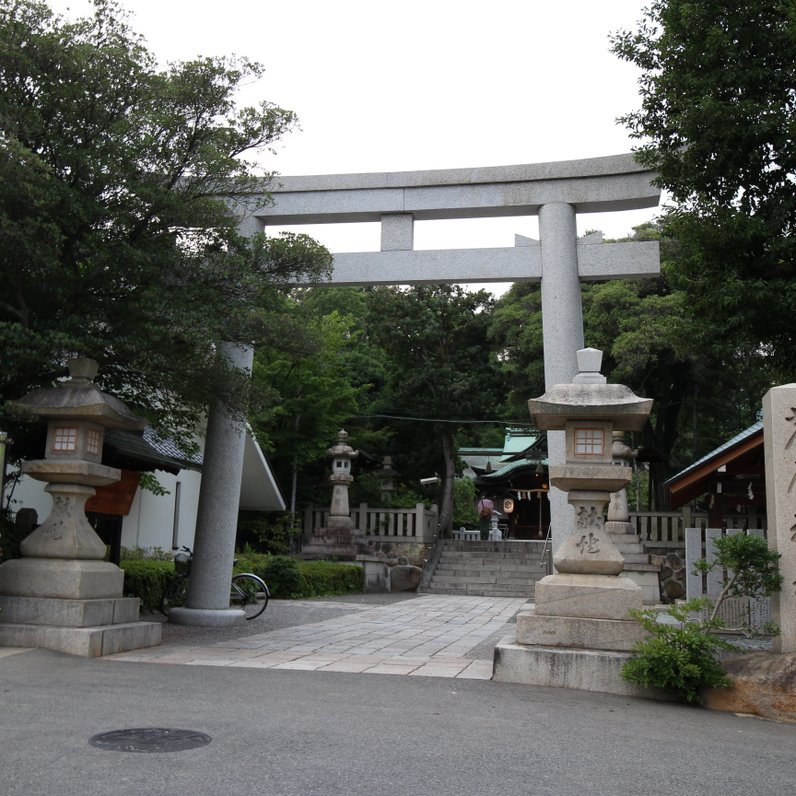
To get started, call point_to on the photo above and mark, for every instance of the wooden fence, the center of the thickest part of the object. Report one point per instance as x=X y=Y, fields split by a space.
x=753 y=612
x=666 y=529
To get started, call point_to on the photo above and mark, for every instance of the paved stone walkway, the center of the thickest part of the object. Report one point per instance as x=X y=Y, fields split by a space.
x=430 y=636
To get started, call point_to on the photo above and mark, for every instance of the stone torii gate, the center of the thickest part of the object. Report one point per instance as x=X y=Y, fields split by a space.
x=556 y=192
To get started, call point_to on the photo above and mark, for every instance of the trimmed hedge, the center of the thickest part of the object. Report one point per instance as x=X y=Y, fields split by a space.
x=287 y=578
x=147 y=580
x=327 y=578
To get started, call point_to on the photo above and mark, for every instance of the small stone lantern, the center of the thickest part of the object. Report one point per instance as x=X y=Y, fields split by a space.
x=387 y=477
x=342 y=455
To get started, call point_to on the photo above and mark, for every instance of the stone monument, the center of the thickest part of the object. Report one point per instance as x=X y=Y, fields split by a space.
x=61 y=594
x=580 y=632
x=779 y=444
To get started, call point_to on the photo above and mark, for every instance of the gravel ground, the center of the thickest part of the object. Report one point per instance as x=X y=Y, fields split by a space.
x=278 y=614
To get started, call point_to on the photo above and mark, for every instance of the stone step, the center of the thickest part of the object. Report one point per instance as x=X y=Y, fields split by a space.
x=89 y=642
x=474 y=591
x=455 y=582
x=491 y=556
x=68 y=613
x=474 y=572
x=511 y=548
x=637 y=558
x=490 y=566
x=497 y=569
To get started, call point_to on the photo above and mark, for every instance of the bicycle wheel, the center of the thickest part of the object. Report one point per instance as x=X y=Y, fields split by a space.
x=174 y=595
x=250 y=593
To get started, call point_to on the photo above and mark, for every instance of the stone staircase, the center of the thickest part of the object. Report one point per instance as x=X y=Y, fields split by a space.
x=488 y=569
x=640 y=566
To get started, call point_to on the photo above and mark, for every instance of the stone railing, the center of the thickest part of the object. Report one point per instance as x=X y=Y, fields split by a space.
x=409 y=525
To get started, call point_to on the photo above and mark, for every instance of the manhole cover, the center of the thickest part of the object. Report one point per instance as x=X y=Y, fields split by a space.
x=149 y=739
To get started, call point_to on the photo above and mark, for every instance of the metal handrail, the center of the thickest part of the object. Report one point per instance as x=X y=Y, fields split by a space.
x=437 y=543
x=547 y=551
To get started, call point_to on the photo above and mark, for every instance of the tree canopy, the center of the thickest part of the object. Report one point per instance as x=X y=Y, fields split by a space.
x=122 y=189
x=718 y=123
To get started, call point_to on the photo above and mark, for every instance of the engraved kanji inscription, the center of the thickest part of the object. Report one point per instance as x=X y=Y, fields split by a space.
x=587 y=517
x=791 y=418
x=589 y=543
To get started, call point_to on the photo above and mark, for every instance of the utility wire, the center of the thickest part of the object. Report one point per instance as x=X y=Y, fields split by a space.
x=515 y=423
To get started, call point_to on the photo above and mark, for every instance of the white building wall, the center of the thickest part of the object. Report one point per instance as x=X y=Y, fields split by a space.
x=151 y=520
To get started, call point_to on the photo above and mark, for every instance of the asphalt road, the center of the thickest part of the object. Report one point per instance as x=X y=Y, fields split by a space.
x=286 y=733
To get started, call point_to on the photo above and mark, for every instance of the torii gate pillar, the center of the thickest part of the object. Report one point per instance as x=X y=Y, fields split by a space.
x=555 y=192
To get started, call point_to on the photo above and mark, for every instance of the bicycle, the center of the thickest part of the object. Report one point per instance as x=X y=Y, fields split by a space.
x=246 y=590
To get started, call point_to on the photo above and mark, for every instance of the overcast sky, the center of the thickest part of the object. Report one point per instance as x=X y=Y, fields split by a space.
x=421 y=84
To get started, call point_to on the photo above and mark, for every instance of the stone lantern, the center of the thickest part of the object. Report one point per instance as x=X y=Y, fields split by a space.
x=77 y=415
x=580 y=631
x=61 y=594
x=588 y=411
x=342 y=455
x=387 y=476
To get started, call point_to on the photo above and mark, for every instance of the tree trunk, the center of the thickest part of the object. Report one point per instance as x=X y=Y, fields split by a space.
x=446 y=498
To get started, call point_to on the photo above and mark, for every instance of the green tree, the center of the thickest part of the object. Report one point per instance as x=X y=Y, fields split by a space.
x=311 y=393
x=440 y=368
x=705 y=386
x=122 y=191
x=717 y=121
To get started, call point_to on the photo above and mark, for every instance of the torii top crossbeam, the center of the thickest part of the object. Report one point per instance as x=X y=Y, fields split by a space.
x=397 y=199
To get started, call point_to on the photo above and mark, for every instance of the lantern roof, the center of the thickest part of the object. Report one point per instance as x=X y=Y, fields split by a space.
x=590 y=397
x=78 y=398
x=341 y=449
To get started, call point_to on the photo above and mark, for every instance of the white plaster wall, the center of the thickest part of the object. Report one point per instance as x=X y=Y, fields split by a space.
x=150 y=522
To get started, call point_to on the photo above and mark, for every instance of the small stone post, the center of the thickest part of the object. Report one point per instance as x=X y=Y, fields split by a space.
x=779 y=444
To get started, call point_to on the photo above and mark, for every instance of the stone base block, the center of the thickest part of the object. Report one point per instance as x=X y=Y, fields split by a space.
x=649 y=583
x=207 y=617
x=586 y=670
x=89 y=642
x=588 y=596
x=68 y=613
x=577 y=632
x=74 y=579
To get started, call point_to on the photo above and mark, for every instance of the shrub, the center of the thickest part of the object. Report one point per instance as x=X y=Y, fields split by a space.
x=11 y=536
x=750 y=569
x=271 y=536
x=146 y=554
x=681 y=657
x=327 y=578
x=290 y=578
x=147 y=579
x=465 y=497
x=282 y=575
